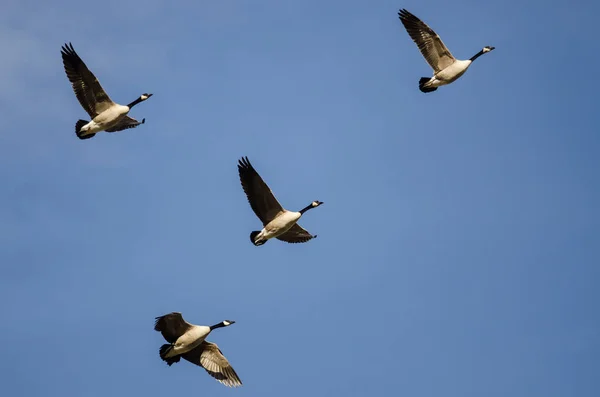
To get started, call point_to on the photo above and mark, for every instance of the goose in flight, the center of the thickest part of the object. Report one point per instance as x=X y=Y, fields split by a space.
x=188 y=341
x=106 y=115
x=277 y=222
x=446 y=68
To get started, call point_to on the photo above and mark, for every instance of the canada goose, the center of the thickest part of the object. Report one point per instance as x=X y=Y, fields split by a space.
x=278 y=222
x=446 y=68
x=188 y=341
x=106 y=115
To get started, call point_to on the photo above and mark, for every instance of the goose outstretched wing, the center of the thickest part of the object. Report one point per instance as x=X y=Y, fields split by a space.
x=86 y=86
x=261 y=198
x=209 y=356
x=125 y=123
x=296 y=234
x=431 y=46
x=171 y=326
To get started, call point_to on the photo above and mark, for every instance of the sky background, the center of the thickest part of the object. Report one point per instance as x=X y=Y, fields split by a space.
x=459 y=243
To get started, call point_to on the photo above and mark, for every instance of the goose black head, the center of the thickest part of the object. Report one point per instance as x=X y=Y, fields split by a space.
x=140 y=99
x=224 y=323
x=314 y=204
x=483 y=51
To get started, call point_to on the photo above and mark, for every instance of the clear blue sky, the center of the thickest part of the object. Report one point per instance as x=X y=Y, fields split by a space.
x=459 y=245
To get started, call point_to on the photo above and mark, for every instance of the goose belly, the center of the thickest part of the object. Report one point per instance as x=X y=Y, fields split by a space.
x=107 y=119
x=453 y=72
x=280 y=225
x=190 y=340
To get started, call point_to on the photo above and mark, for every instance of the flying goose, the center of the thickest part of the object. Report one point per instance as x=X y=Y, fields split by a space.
x=188 y=341
x=106 y=115
x=446 y=68
x=278 y=222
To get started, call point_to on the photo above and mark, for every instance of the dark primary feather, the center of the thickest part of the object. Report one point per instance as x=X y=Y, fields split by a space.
x=296 y=234
x=261 y=198
x=430 y=44
x=86 y=86
x=209 y=356
x=171 y=326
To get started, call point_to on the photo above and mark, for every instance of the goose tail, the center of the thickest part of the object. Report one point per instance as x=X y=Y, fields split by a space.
x=80 y=135
x=164 y=351
x=253 y=238
x=422 y=82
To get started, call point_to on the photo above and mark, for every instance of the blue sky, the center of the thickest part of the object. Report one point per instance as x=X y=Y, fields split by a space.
x=459 y=243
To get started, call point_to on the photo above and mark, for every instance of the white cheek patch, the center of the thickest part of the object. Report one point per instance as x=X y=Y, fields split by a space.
x=226 y=323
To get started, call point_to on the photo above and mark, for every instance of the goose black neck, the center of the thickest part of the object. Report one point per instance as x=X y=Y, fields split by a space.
x=132 y=104
x=474 y=57
x=220 y=325
x=303 y=210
